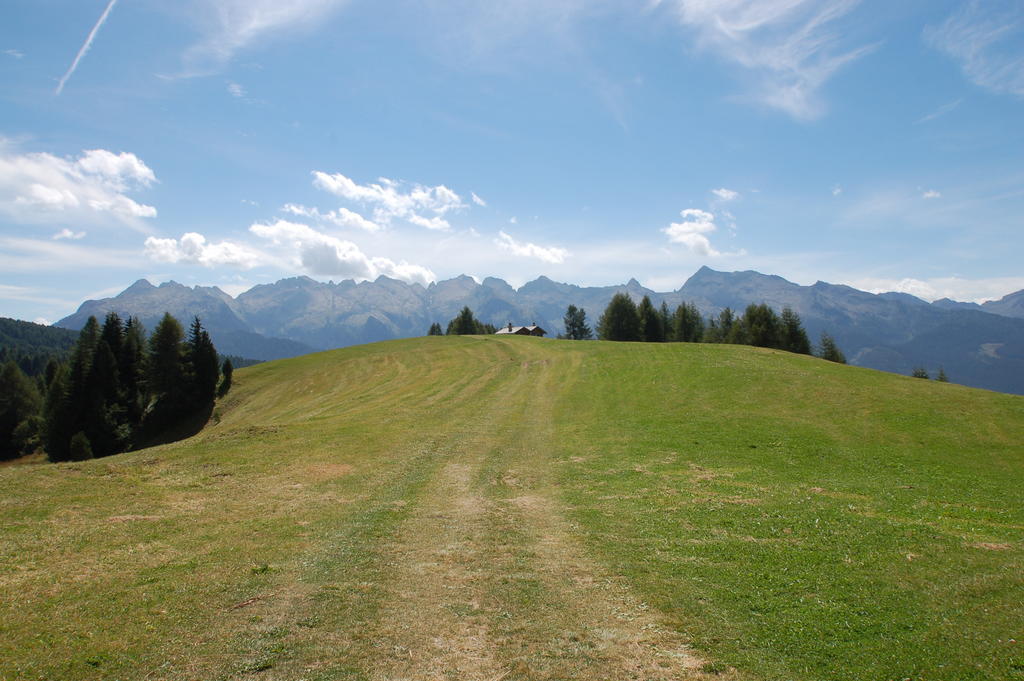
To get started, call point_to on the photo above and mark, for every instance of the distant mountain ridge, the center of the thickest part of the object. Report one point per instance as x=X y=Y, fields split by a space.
x=979 y=345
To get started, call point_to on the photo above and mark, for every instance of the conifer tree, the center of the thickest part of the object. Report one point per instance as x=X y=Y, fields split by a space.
x=20 y=405
x=620 y=321
x=227 y=370
x=726 y=326
x=71 y=402
x=688 y=324
x=435 y=330
x=102 y=419
x=131 y=364
x=56 y=424
x=79 y=448
x=942 y=377
x=761 y=325
x=576 y=327
x=793 y=337
x=920 y=372
x=202 y=368
x=666 y=321
x=830 y=351
x=651 y=327
x=166 y=377
x=464 y=324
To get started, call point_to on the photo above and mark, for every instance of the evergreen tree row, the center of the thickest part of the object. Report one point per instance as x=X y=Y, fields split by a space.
x=116 y=387
x=464 y=324
x=759 y=325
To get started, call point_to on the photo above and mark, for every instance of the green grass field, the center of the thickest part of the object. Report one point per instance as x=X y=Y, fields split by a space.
x=515 y=508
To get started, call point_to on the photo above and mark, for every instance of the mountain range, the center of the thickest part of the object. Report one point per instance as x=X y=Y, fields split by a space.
x=977 y=345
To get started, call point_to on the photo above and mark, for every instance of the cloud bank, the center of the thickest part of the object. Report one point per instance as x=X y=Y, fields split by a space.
x=551 y=254
x=290 y=246
x=388 y=201
x=43 y=188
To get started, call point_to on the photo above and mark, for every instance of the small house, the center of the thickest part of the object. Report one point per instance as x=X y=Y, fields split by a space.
x=532 y=330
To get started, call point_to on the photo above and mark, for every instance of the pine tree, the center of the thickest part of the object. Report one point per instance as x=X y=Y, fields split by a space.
x=920 y=372
x=830 y=351
x=620 y=321
x=102 y=419
x=435 y=330
x=464 y=324
x=792 y=334
x=666 y=321
x=762 y=326
x=688 y=324
x=228 y=371
x=942 y=377
x=71 y=399
x=131 y=363
x=202 y=367
x=576 y=327
x=79 y=449
x=166 y=377
x=651 y=328
x=726 y=326
x=56 y=414
x=20 y=406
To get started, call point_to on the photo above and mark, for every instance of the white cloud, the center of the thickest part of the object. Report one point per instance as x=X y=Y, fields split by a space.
x=693 y=230
x=513 y=220
x=726 y=194
x=43 y=188
x=68 y=234
x=987 y=39
x=193 y=249
x=17 y=54
x=229 y=26
x=389 y=201
x=236 y=90
x=837 y=190
x=477 y=200
x=551 y=254
x=343 y=217
x=788 y=44
x=325 y=255
x=119 y=170
x=931 y=194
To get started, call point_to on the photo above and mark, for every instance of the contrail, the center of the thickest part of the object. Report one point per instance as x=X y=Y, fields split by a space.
x=85 y=46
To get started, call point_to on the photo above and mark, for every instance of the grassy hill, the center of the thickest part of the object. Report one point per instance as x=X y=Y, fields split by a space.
x=517 y=508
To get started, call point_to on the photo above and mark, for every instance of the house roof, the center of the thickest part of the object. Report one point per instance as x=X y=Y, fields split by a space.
x=520 y=330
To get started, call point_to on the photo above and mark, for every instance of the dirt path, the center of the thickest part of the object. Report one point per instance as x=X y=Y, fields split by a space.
x=489 y=579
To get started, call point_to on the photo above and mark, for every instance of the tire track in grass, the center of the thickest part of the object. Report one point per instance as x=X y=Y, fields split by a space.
x=434 y=624
x=332 y=619
x=563 y=616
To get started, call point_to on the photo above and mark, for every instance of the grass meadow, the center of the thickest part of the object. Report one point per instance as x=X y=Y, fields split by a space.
x=518 y=508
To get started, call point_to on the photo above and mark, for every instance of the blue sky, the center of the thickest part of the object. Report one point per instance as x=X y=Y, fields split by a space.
x=235 y=142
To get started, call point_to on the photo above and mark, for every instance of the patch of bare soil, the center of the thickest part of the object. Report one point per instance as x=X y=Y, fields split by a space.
x=329 y=471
